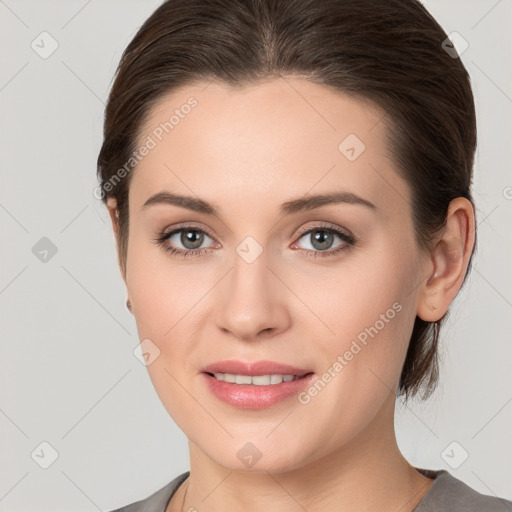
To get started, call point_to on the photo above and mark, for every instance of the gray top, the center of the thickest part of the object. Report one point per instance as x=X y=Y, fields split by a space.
x=446 y=494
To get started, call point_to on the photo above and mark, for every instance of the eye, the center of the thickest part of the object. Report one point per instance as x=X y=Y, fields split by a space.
x=321 y=239
x=190 y=237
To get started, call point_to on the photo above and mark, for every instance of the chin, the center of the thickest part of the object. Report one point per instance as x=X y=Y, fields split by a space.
x=259 y=456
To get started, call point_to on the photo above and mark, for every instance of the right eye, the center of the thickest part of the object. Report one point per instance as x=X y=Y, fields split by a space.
x=190 y=237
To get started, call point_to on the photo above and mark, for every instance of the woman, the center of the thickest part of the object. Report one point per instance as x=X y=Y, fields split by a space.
x=289 y=187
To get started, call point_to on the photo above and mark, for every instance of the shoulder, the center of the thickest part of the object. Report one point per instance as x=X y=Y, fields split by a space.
x=449 y=494
x=158 y=501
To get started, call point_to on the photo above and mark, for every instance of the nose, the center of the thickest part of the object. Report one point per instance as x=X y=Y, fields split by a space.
x=250 y=303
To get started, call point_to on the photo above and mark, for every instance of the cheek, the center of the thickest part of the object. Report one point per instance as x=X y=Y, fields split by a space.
x=163 y=295
x=163 y=291
x=364 y=300
x=373 y=320
x=371 y=310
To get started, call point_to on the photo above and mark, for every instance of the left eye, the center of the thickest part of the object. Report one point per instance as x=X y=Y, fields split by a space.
x=322 y=239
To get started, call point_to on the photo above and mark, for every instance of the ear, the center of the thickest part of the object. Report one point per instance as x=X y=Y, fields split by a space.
x=114 y=217
x=448 y=261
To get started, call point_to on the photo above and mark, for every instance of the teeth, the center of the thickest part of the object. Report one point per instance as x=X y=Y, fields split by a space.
x=257 y=380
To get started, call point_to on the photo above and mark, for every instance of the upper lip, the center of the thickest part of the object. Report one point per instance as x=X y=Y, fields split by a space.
x=254 y=368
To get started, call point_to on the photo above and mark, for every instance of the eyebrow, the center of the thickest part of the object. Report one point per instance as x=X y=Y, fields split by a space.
x=308 y=202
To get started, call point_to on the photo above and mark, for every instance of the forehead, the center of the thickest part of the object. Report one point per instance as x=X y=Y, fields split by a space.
x=280 y=138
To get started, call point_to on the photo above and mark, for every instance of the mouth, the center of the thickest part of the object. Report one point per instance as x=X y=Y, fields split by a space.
x=251 y=369
x=256 y=380
x=256 y=385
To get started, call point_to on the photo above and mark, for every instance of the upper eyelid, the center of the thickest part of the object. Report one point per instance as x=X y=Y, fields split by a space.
x=321 y=225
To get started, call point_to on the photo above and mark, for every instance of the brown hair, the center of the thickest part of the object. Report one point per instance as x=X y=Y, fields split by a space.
x=390 y=53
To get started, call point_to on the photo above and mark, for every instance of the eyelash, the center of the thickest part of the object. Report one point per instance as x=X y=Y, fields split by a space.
x=349 y=241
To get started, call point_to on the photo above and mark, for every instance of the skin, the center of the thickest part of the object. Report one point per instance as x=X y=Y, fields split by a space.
x=247 y=150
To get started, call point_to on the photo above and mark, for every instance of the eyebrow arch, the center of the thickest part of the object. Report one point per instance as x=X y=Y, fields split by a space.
x=308 y=202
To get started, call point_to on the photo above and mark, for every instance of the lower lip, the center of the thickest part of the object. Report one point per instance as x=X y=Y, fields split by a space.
x=250 y=396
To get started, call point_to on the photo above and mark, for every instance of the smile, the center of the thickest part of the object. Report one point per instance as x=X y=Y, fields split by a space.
x=256 y=380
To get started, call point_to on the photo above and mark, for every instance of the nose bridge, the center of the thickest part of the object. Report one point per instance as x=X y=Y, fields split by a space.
x=248 y=300
x=249 y=280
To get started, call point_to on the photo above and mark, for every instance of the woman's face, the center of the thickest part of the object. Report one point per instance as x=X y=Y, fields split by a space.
x=265 y=278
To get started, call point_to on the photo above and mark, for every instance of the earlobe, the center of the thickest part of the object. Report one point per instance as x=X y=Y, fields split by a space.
x=450 y=260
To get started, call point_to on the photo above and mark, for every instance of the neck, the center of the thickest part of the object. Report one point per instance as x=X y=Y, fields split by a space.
x=368 y=473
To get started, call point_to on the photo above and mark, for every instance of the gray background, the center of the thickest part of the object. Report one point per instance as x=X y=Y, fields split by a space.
x=68 y=374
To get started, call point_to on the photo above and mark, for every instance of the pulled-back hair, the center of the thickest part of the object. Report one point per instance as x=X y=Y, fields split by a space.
x=389 y=52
